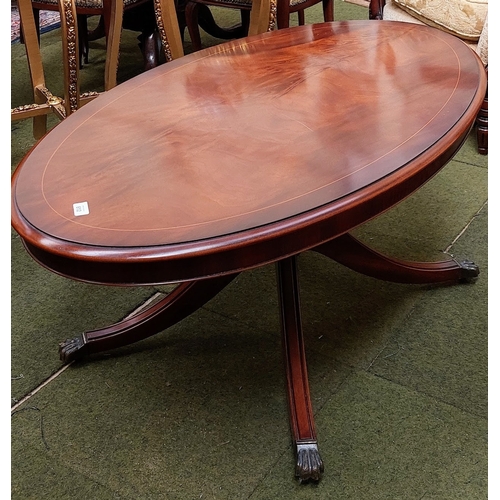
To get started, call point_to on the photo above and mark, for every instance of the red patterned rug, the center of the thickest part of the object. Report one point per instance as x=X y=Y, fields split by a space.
x=48 y=21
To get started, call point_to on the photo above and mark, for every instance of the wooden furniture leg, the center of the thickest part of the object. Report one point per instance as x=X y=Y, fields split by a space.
x=350 y=252
x=44 y=101
x=180 y=303
x=150 y=52
x=192 y=13
x=309 y=464
x=70 y=54
x=168 y=27
x=200 y=15
x=83 y=39
x=113 y=19
x=262 y=16
x=482 y=127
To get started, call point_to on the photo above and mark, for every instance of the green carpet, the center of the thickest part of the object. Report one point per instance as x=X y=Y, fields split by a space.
x=398 y=373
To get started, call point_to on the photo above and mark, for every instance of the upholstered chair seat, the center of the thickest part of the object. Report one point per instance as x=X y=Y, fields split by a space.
x=472 y=28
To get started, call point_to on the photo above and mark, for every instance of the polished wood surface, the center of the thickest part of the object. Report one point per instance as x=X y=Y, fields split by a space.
x=291 y=137
x=376 y=12
x=244 y=154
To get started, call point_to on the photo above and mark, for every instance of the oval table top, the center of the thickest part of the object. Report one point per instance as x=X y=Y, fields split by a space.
x=246 y=152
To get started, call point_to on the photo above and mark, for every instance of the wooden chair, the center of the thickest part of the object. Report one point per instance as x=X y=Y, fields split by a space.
x=197 y=13
x=399 y=10
x=138 y=12
x=44 y=101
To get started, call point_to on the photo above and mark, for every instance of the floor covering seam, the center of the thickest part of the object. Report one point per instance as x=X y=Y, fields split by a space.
x=477 y=214
x=47 y=381
x=435 y=398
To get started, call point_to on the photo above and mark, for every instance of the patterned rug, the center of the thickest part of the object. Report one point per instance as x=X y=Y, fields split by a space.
x=48 y=21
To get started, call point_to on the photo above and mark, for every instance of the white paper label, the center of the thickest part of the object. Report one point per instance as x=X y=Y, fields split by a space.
x=81 y=208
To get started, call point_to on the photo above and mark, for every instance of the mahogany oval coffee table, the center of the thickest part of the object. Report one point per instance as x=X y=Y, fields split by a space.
x=245 y=154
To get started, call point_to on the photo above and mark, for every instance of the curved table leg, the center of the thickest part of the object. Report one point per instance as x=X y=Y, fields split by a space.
x=309 y=464
x=180 y=303
x=350 y=252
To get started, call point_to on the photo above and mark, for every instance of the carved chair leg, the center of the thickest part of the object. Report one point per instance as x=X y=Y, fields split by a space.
x=150 y=49
x=208 y=23
x=168 y=28
x=30 y=30
x=328 y=10
x=191 y=13
x=36 y=14
x=309 y=464
x=70 y=55
x=83 y=39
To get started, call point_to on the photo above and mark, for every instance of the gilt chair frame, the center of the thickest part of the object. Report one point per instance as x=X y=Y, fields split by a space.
x=45 y=102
